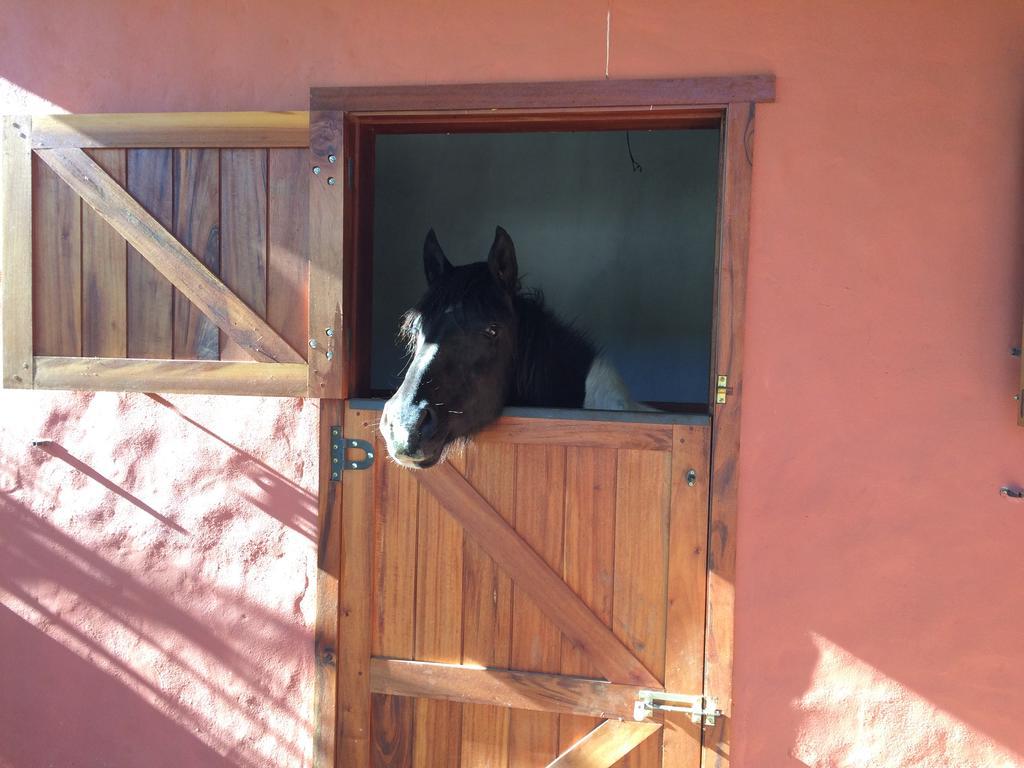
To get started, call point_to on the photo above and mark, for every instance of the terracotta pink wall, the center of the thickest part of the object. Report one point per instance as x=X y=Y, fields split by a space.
x=880 y=618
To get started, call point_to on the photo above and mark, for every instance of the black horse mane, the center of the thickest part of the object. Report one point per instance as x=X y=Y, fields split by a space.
x=552 y=358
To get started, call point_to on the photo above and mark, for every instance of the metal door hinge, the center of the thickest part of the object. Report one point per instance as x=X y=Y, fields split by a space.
x=701 y=709
x=722 y=390
x=339 y=458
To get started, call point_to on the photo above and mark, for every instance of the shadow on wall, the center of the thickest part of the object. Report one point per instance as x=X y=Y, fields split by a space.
x=95 y=662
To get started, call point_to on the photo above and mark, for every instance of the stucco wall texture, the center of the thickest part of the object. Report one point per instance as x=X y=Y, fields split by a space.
x=157 y=559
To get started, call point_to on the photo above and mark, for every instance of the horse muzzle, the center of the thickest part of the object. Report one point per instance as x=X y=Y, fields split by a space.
x=411 y=433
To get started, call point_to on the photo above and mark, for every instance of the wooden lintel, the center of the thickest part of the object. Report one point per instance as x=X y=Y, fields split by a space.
x=503 y=688
x=172 y=259
x=696 y=91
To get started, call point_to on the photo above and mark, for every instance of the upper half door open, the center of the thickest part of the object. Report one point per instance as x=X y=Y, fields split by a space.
x=160 y=252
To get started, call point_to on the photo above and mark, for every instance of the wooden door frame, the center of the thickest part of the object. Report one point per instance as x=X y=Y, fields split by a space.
x=343 y=120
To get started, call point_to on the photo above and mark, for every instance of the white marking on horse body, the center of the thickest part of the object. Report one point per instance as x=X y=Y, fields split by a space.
x=606 y=391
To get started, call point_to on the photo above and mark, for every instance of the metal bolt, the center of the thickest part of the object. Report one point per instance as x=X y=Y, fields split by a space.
x=329 y=331
x=316 y=170
x=330 y=354
x=332 y=158
x=312 y=343
x=334 y=475
x=335 y=460
x=330 y=181
x=354 y=465
x=354 y=444
x=691 y=478
x=335 y=432
x=369 y=455
x=1017 y=396
x=334 y=446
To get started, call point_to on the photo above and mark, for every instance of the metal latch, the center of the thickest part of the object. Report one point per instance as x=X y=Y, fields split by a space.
x=339 y=448
x=696 y=706
x=722 y=390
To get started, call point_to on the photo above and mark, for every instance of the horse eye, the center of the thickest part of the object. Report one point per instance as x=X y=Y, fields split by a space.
x=491 y=331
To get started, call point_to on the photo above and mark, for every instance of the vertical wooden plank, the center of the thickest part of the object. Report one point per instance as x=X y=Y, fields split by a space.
x=641 y=569
x=243 y=234
x=487 y=606
x=588 y=560
x=536 y=643
x=327 y=253
x=354 y=600
x=150 y=302
x=197 y=226
x=325 y=685
x=438 y=724
x=104 y=272
x=16 y=250
x=731 y=291
x=288 y=246
x=687 y=585
x=56 y=265
x=394 y=606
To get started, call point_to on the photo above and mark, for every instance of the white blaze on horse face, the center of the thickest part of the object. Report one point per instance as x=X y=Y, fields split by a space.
x=396 y=432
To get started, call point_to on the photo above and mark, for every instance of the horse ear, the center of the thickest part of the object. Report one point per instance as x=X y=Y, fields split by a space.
x=502 y=260
x=435 y=263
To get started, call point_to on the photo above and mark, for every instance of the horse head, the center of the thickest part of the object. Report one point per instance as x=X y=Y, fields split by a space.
x=462 y=341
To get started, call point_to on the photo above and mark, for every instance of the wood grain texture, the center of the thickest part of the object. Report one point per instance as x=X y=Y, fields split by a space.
x=325 y=644
x=210 y=377
x=243 y=233
x=173 y=129
x=580 y=93
x=588 y=557
x=438 y=724
x=197 y=226
x=104 y=273
x=16 y=250
x=288 y=245
x=170 y=257
x=606 y=744
x=534 y=691
x=56 y=265
x=536 y=640
x=394 y=604
x=734 y=240
x=354 y=601
x=554 y=119
x=150 y=294
x=687 y=584
x=327 y=258
x=532 y=574
x=569 y=432
x=641 y=569
x=487 y=606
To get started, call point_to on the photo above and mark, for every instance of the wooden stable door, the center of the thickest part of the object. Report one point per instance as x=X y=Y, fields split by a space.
x=507 y=608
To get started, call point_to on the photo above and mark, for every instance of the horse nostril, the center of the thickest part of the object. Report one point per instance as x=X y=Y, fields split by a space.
x=426 y=422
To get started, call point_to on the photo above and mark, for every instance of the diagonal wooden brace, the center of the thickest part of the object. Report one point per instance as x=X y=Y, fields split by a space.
x=172 y=259
x=534 y=576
